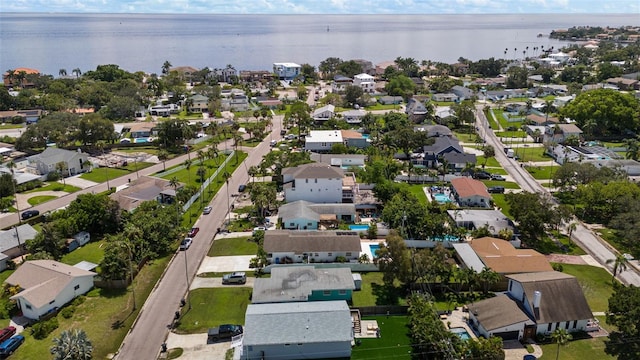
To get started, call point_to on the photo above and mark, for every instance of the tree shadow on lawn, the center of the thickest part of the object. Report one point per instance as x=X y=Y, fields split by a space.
x=387 y=295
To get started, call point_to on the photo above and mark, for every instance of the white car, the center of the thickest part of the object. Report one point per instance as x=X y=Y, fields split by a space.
x=184 y=245
x=259 y=228
x=207 y=210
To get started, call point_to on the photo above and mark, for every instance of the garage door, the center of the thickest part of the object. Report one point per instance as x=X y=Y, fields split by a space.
x=508 y=335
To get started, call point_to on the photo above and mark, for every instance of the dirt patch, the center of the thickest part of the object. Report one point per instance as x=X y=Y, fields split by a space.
x=566 y=259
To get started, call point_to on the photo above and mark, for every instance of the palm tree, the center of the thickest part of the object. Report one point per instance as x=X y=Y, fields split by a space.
x=163 y=156
x=620 y=264
x=62 y=168
x=633 y=149
x=166 y=67
x=560 y=337
x=62 y=72
x=174 y=183
x=572 y=227
x=72 y=345
x=187 y=165
x=488 y=278
x=76 y=72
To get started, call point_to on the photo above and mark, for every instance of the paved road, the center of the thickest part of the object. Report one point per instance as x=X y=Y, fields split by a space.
x=582 y=236
x=151 y=327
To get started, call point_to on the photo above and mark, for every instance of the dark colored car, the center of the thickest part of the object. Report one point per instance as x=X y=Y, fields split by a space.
x=29 y=214
x=283 y=132
x=194 y=231
x=223 y=332
x=496 y=190
x=483 y=175
x=242 y=188
x=6 y=333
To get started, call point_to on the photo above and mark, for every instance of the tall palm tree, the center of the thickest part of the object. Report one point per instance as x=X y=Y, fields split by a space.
x=72 y=345
x=174 y=183
x=187 y=165
x=620 y=264
x=166 y=67
x=76 y=72
x=62 y=169
x=488 y=278
x=62 y=72
x=163 y=156
x=633 y=149
x=560 y=337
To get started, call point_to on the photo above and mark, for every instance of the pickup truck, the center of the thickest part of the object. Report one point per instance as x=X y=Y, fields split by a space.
x=223 y=332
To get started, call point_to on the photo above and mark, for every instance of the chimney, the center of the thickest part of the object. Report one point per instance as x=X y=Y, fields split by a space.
x=537 y=295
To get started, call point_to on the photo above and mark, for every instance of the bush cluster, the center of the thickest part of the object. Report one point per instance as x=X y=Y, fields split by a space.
x=42 y=329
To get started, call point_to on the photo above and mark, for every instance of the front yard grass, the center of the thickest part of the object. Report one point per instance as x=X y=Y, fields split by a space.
x=492 y=121
x=40 y=199
x=535 y=154
x=491 y=162
x=54 y=186
x=541 y=172
x=92 y=252
x=394 y=341
x=101 y=175
x=213 y=307
x=577 y=350
x=505 y=184
x=501 y=203
x=233 y=247
x=105 y=316
x=374 y=292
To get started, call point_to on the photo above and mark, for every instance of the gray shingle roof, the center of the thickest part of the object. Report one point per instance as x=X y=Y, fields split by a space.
x=53 y=155
x=498 y=312
x=297 y=209
x=313 y=171
x=295 y=283
x=9 y=240
x=297 y=323
x=311 y=241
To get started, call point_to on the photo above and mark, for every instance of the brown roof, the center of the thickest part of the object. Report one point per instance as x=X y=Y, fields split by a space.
x=311 y=241
x=21 y=69
x=500 y=256
x=561 y=298
x=42 y=280
x=314 y=171
x=351 y=134
x=539 y=119
x=570 y=128
x=498 y=312
x=621 y=80
x=466 y=187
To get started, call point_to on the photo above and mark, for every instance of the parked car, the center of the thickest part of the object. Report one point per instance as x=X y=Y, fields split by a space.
x=498 y=177
x=259 y=228
x=9 y=346
x=7 y=333
x=483 y=175
x=184 y=245
x=225 y=331
x=193 y=232
x=207 y=210
x=273 y=143
x=29 y=214
x=496 y=190
x=242 y=188
x=234 y=278
x=283 y=132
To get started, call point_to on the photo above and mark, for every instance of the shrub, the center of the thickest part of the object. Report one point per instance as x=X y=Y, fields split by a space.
x=53 y=176
x=68 y=311
x=341 y=259
x=42 y=329
x=79 y=300
x=557 y=267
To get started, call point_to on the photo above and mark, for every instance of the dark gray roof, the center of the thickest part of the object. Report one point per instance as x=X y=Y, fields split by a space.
x=297 y=323
x=53 y=155
x=297 y=210
x=313 y=171
x=295 y=283
x=443 y=143
x=460 y=158
x=498 y=312
x=562 y=297
x=311 y=241
x=9 y=240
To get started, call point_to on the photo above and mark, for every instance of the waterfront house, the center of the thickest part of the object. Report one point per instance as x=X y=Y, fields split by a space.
x=298 y=246
x=470 y=192
x=340 y=84
x=365 y=82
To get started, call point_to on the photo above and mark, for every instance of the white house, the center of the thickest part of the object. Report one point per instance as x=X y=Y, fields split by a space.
x=318 y=183
x=535 y=303
x=286 y=71
x=47 y=285
x=300 y=330
x=46 y=162
x=298 y=246
x=324 y=113
x=322 y=140
x=303 y=215
x=470 y=192
x=365 y=82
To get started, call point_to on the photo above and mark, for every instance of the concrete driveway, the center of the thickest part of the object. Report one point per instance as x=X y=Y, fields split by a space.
x=79 y=182
x=196 y=348
x=225 y=264
x=216 y=282
x=514 y=350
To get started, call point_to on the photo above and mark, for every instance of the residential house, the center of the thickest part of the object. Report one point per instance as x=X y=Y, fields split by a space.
x=470 y=192
x=434 y=130
x=303 y=283
x=75 y=162
x=559 y=133
x=313 y=330
x=367 y=66
x=390 y=100
x=12 y=243
x=444 y=115
x=271 y=103
x=535 y=303
x=459 y=161
x=493 y=220
x=460 y=69
x=353 y=116
x=623 y=83
x=497 y=95
x=354 y=138
x=502 y=257
x=324 y=113
x=318 y=183
x=441 y=146
x=340 y=160
x=29 y=116
x=365 y=82
x=19 y=176
x=463 y=93
x=631 y=167
x=198 y=104
x=445 y=97
x=340 y=84
x=304 y=215
x=286 y=71
x=536 y=132
x=163 y=110
x=255 y=75
x=542 y=120
x=12 y=77
x=47 y=285
x=322 y=140
x=226 y=74
x=416 y=110
x=142 y=130
x=186 y=72
x=235 y=101
x=561 y=101
x=145 y=188
x=291 y=246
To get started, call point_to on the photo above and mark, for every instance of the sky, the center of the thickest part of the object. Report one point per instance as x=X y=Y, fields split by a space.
x=325 y=6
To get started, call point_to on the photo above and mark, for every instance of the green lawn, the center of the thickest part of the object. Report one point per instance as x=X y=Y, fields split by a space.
x=6 y=126
x=374 y=292
x=92 y=252
x=394 y=341
x=492 y=121
x=491 y=162
x=541 y=172
x=505 y=184
x=212 y=307
x=503 y=121
x=595 y=282
x=535 y=154
x=500 y=202
x=40 y=199
x=233 y=247
x=191 y=176
x=577 y=350
x=379 y=106
x=101 y=175
x=509 y=137
x=106 y=316
x=54 y=186
x=418 y=191
x=613 y=239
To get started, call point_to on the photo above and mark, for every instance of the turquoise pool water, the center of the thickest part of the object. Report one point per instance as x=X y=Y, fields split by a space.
x=441 y=198
x=140 y=140
x=461 y=332
x=364 y=227
x=374 y=249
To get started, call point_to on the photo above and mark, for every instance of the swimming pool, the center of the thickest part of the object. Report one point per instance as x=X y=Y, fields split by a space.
x=363 y=227
x=140 y=140
x=461 y=332
x=374 y=249
x=441 y=198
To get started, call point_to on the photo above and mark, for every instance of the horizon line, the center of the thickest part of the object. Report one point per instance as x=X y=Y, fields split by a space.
x=313 y=14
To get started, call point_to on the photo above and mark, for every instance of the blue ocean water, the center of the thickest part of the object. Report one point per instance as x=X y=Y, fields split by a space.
x=140 y=42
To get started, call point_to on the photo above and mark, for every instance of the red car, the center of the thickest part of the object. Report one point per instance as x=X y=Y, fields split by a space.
x=194 y=232
x=7 y=333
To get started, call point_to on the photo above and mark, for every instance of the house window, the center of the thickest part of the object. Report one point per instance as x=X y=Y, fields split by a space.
x=317 y=254
x=27 y=306
x=309 y=224
x=566 y=325
x=76 y=287
x=52 y=301
x=287 y=345
x=575 y=323
x=549 y=327
x=306 y=181
x=348 y=254
x=316 y=180
x=292 y=224
x=250 y=348
x=330 y=254
x=326 y=292
x=342 y=292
